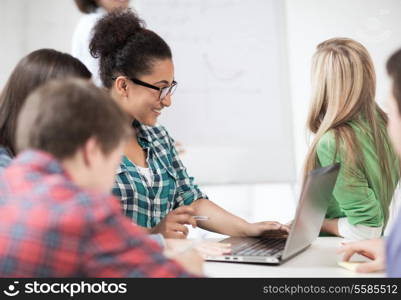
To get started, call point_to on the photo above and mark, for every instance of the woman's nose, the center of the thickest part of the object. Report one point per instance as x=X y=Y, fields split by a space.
x=166 y=101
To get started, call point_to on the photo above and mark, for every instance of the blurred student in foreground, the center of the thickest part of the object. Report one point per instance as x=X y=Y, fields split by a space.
x=385 y=254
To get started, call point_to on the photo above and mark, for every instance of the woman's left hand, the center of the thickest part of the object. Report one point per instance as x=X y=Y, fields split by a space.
x=373 y=249
x=267 y=229
x=204 y=247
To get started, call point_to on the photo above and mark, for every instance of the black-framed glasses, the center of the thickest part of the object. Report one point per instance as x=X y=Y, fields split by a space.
x=164 y=91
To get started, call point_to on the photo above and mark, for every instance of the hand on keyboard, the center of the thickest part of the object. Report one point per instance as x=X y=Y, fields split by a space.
x=268 y=229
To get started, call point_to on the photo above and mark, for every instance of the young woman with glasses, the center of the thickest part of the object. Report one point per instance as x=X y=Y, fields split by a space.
x=155 y=189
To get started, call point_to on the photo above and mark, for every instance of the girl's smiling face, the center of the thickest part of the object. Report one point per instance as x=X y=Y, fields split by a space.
x=143 y=103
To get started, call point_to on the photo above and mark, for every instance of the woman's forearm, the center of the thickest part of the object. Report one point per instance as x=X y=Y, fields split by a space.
x=220 y=220
x=330 y=226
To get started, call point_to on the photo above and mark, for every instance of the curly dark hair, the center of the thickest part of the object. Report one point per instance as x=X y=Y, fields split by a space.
x=86 y=6
x=125 y=47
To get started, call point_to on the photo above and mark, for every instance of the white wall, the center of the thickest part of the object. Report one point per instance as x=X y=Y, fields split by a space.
x=374 y=23
x=232 y=86
x=27 y=25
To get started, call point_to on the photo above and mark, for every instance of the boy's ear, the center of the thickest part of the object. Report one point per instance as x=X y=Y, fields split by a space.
x=90 y=151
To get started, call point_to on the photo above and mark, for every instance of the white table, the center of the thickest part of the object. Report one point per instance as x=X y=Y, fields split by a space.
x=319 y=260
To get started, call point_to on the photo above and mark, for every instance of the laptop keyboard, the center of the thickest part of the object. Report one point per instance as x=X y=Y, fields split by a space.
x=260 y=247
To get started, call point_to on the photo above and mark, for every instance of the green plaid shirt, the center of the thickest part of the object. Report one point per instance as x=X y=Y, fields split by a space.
x=172 y=187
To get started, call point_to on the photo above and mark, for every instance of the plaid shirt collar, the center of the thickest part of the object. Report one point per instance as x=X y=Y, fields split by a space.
x=142 y=133
x=5 y=151
x=144 y=139
x=41 y=161
x=5 y=158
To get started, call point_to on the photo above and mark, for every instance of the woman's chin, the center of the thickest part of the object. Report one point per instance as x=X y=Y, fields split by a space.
x=149 y=122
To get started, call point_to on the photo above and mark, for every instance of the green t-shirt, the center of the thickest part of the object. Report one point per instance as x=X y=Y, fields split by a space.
x=357 y=194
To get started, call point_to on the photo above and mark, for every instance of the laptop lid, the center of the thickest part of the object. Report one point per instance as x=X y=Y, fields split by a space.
x=311 y=209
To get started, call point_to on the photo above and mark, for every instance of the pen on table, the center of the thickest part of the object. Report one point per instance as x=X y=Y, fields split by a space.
x=201 y=218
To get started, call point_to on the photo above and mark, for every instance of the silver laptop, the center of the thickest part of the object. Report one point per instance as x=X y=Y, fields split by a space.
x=311 y=210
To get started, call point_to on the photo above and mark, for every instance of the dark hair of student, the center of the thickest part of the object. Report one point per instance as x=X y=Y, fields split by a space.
x=32 y=71
x=60 y=116
x=394 y=70
x=86 y=6
x=125 y=47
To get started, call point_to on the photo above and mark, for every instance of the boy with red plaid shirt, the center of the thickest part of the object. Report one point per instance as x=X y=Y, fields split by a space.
x=58 y=217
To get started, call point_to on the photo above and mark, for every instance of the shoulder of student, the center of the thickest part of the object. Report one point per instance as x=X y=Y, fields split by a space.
x=96 y=205
x=327 y=141
x=159 y=133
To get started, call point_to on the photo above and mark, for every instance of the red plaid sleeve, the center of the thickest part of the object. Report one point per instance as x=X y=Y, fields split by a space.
x=115 y=247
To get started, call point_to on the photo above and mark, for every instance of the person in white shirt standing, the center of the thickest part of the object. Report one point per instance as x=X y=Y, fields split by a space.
x=93 y=10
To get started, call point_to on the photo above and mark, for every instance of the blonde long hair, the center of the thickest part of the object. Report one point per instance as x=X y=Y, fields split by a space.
x=343 y=90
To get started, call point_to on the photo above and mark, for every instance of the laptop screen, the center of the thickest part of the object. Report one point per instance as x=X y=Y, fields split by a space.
x=311 y=209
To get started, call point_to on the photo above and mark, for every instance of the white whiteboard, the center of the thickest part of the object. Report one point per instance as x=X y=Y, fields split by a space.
x=231 y=110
